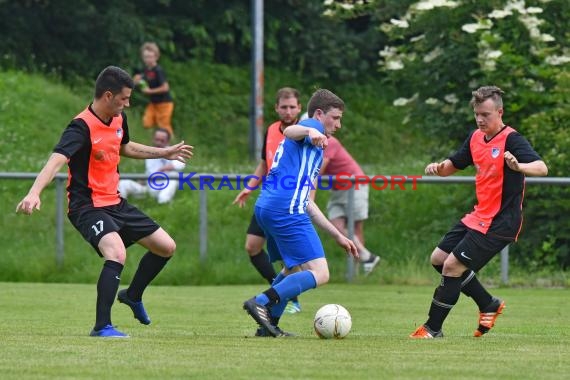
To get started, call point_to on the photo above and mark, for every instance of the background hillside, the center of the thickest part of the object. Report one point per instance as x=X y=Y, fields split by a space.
x=406 y=69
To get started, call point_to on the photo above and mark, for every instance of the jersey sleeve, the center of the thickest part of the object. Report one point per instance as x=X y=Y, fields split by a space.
x=126 y=138
x=462 y=158
x=521 y=148
x=73 y=138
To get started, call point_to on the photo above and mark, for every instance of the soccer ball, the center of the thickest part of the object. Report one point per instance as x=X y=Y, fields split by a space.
x=332 y=321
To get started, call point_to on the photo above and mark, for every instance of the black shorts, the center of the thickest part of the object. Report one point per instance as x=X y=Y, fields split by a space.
x=254 y=228
x=473 y=248
x=129 y=222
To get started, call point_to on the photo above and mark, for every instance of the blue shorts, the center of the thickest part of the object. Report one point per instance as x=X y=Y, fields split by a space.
x=290 y=237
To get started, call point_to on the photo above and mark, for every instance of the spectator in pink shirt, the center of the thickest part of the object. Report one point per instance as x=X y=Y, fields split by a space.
x=337 y=160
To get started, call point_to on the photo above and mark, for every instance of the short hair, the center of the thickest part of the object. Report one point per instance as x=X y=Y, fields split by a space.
x=325 y=100
x=487 y=92
x=151 y=46
x=112 y=79
x=286 y=93
x=164 y=131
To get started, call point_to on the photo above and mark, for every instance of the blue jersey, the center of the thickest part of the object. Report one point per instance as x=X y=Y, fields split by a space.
x=295 y=166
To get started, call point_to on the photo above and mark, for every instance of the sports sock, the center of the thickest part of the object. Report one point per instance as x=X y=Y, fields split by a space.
x=364 y=255
x=263 y=265
x=291 y=286
x=471 y=287
x=438 y=268
x=444 y=298
x=277 y=309
x=107 y=287
x=149 y=266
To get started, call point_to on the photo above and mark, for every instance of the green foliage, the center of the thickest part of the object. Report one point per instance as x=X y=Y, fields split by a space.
x=78 y=39
x=438 y=52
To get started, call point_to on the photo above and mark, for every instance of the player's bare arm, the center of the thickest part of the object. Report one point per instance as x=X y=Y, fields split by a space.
x=534 y=169
x=322 y=222
x=179 y=152
x=299 y=132
x=32 y=200
x=442 y=169
x=252 y=183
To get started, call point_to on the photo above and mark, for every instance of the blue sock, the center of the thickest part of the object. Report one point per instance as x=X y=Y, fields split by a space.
x=295 y=284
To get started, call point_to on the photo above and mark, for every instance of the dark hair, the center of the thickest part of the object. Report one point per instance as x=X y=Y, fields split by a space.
x=113 y=79
x=286 y=93
x=324 y=100
x=164 y=131
x=487 y=92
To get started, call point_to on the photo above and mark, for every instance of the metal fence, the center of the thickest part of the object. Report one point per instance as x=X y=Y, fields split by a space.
x=61 y=178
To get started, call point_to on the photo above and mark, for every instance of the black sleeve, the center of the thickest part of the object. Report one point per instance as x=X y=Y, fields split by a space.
x=126 y=138
x=73 y=138
x=462 y=158
x=263 y=155
x=520 y=148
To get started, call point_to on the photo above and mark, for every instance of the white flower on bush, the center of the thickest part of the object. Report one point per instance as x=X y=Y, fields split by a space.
x=500 y=13
x=547 y=37
x=418 y=38
x=400 y=102
x=426 y=5
x=433 y=54
x=431 y=101
x=556 y=60
x=400 y=23
x=394 y=64
x=388 y=51
x=534 y=10
x=481 y=25
x=451 y=98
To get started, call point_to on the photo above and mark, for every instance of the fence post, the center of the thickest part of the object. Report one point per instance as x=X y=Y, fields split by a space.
x=203 y=225
x=59 y=216
x=350 y=267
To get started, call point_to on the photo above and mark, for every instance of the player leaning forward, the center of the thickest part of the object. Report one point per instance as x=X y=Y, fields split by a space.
x=285 y=212
x=91 y=146
x=502 y=158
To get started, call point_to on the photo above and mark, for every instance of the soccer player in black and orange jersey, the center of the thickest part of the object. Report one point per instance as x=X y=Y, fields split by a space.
x=502 y=158
x=91 y=146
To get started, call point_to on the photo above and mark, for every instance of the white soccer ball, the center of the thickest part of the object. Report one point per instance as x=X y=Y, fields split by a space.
x=332 y=321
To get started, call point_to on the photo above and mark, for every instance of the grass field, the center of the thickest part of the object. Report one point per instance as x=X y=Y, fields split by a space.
x=202 y=332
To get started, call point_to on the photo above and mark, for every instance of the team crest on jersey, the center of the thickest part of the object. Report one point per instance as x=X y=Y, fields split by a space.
x=120 y=132
x=495 y=152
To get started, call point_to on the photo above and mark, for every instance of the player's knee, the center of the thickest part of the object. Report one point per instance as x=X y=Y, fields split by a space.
x=322 y=277
x=170 y=248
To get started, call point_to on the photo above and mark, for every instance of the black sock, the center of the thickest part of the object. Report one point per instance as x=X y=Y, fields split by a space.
x=263 y=265
x=444 y=298
x=107 y=287
x=149 y=266
x=471 y=287
x=273 y=297
x=295 y=299
x=438 y=268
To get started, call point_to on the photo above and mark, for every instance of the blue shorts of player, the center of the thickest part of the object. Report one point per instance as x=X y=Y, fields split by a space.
x=290 y=237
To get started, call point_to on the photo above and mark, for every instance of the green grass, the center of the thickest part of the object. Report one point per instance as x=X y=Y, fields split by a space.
x=200 y=332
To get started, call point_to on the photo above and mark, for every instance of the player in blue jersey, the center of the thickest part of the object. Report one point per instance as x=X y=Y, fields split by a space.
x=286 y=214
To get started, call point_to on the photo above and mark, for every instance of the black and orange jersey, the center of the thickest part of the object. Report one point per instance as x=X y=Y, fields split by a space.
x=92 y=148
x=499 y=189
x=156 y=77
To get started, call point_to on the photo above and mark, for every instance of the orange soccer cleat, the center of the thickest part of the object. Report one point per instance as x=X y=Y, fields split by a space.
x=487 y=320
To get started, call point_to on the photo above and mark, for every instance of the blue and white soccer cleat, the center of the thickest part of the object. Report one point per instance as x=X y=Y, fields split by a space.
x=137 y=307
x=108 y=332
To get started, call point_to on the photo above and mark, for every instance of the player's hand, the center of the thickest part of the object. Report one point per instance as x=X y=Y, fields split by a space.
x=348 y=245
x=30 y=203
x=512 y=161
x=318 y=139
x=434 y=168
x=180 y=152
x=242 y=197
